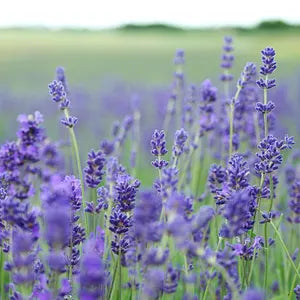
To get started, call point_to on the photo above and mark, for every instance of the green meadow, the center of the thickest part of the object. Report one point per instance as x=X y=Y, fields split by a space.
x=28 y=57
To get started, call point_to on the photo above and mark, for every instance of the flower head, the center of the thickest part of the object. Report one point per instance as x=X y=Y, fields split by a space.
x=94 y=170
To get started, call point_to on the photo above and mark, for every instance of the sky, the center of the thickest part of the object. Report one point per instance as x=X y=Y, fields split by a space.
x=111 y=13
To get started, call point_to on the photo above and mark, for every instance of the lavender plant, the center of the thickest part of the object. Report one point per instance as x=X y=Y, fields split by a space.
x=108 y=235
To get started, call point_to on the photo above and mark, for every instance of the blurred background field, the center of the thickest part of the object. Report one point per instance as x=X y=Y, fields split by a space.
x=106 y=69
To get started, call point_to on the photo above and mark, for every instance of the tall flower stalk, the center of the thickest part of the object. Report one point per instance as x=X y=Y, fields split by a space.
x=268 y=67
x=58 y=94
x=247 y=74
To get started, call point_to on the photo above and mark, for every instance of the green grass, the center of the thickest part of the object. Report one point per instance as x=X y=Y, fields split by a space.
x=28 y=57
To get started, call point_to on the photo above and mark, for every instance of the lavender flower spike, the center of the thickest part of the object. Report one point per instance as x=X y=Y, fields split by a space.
x=227 y=59
x=94 y=170
x=248 y=73
x=268 y=67
x=181 y=137
x=158 y=144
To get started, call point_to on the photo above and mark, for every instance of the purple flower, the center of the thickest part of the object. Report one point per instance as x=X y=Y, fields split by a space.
x=270 y=153
x=238 y=212
x=260 y=107
x=119 y=222
x=61 y=77
x=123 y=131
x=208 y=92
x=10 y=161
x=247 y=250
x=75 y=191
x=58 y=93
x=269 y=63
x=57 y=261
x=238 y=172
x=267 y=217
x=294 y=203
x=181 y=137
x=171 y=279
x=107 y=147
x=297 y=291
x=69 y=121
x=155 y=256
x=252 y=294
x=248 y=73
x=24 y=253
x=168 y=183
x=227 y=59
x=217 y=176
x=121 y=244
x=268 y=67
x=93 y=277
x=227 y=259
x=30 y=135
x=201 y=220
x=153 y=283
x=179 y=57
x=125 y=190
x=158 y=144
x=146 y=215
x=94 y=170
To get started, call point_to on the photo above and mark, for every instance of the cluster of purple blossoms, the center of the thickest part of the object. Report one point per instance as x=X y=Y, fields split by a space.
x=146 y=225
x=297 y=291
x=24 y=253
x=268 y=67
x=179 y=61
x=93 y=276
x=158 y=145
x=294 y=203
x=227 y=59
x=94 y=170
x=207 y=114
x=57 y=91
x=125 y=193
x=248 y=249
x=121 y=218
x=223 y=182
x=161 y=240
x=58 y=94
x=30 y=136
x=270 y=157
x=167 y=184
x=119 y=132
x=179 y=146
x=248 y=73
x=238 y=212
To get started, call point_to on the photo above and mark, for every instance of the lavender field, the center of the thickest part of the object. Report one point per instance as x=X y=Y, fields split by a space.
x=147 y=165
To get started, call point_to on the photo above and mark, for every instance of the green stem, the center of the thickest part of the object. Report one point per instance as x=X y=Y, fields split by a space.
x=136 y=139
x=294 y=283
x=209 y=280
x=167 y=118
x=266 y=257
x=266 y=233
x=2 y=258
x=231 y=118
x=107 y=233
x=257 y=129
x=78 y=163
x=262 y=179
x=285 y=249
x=113 y=286
x=94 y=216
x=251 y=268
